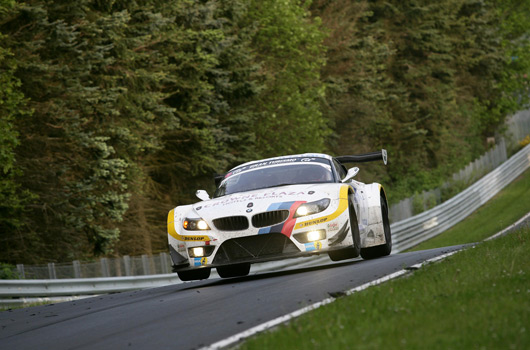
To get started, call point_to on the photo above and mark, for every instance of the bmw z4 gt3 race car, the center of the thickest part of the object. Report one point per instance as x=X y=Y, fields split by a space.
x=278 y=208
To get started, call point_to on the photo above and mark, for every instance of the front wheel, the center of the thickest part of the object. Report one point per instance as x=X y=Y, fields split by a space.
x=354 y=250
x=383 y=249
x=191 y=275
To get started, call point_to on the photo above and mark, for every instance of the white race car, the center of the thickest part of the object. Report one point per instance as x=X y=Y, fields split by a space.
x=278 y=208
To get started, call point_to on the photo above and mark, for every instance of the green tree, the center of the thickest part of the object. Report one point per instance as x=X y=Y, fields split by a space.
x=290 y=51
x=426 y=80
x=12 y=197
x=139 y=103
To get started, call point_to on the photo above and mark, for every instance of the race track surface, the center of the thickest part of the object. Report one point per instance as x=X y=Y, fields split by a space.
x=189 y=315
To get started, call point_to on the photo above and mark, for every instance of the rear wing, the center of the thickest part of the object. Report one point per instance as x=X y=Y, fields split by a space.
x=361 y=158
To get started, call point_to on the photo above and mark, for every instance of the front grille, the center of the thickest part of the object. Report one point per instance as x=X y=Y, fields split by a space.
x=270 y=218
x=231 y=223
x=254 y=247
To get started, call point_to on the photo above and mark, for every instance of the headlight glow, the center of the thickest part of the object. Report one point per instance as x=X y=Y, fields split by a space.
x=310 y=236
x=202 y=225
x=195 y=225
x=312 y=207
x=314 y=236
x=198 y=251
x=201 y=252
x=302 y=211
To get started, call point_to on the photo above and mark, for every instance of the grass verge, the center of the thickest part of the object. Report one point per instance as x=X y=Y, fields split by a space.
x=476 y=299
x=508 y=206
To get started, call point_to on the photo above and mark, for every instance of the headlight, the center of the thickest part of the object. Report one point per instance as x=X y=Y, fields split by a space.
x=195 y=225
x=199 y=252
x=312 y=208
x=310 y=236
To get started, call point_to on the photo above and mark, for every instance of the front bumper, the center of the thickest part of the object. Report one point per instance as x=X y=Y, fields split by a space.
x=262 y=248
x=263 y=243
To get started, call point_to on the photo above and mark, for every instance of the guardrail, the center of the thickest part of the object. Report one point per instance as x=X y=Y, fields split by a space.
x=57 y=290
x=406 y=234
x=412 y=231
x=82 y=286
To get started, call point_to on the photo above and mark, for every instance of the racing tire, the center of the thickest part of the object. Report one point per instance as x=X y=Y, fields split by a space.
x=355 y=249
x=237 y=270
x=383 y=249
x=191 y=275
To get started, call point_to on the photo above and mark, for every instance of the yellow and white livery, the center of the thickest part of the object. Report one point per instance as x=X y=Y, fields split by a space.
x=278 y=208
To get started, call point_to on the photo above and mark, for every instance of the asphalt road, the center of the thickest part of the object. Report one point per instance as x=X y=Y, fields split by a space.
x=189 y=315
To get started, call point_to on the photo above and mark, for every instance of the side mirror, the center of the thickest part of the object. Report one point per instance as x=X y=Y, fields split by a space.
x=202 y=195
x=351 y=173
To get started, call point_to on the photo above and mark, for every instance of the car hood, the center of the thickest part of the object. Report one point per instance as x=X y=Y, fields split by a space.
x=251 y=202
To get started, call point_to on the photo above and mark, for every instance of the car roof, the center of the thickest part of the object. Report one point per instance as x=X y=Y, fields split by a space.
x=273 y=159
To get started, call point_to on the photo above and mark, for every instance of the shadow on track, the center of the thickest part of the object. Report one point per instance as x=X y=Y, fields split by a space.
x=270 y=274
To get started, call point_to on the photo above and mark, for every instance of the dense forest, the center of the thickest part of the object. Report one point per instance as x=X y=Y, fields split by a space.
x=112 y=112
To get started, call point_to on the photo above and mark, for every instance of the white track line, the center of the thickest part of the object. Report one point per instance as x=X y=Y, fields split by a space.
x=498 y=234
x=285 y=318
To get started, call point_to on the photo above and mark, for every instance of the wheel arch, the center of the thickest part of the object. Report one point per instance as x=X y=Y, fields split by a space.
x=383 y=194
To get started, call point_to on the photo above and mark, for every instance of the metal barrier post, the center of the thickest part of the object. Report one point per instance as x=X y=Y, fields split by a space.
x=21 y=273
x=104 y=267
x=145 y=265
x=51 y=271
x=77 y=268
x=163 y=262
x=127 y=264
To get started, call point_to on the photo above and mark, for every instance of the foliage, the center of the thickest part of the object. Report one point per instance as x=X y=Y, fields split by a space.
x=423 y=201
x=113 y=112
x=290 y=50
x=420 y=78
x=525 y=141
x=12 y=197
x=7 y=272
x=133 y=102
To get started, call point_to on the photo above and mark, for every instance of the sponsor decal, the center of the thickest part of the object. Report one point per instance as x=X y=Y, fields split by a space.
x=272 y=162
x=311 y=192
x=339 y=236
x=333 y=226
x=280 y=161
x=194 y=238
x=313 y=246
x=250 y=205
x=312 y=222
x=200 y=261
x=198 y=208
x=254 y=196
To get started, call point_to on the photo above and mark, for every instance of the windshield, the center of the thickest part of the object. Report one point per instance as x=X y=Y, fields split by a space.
x=276 y=175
